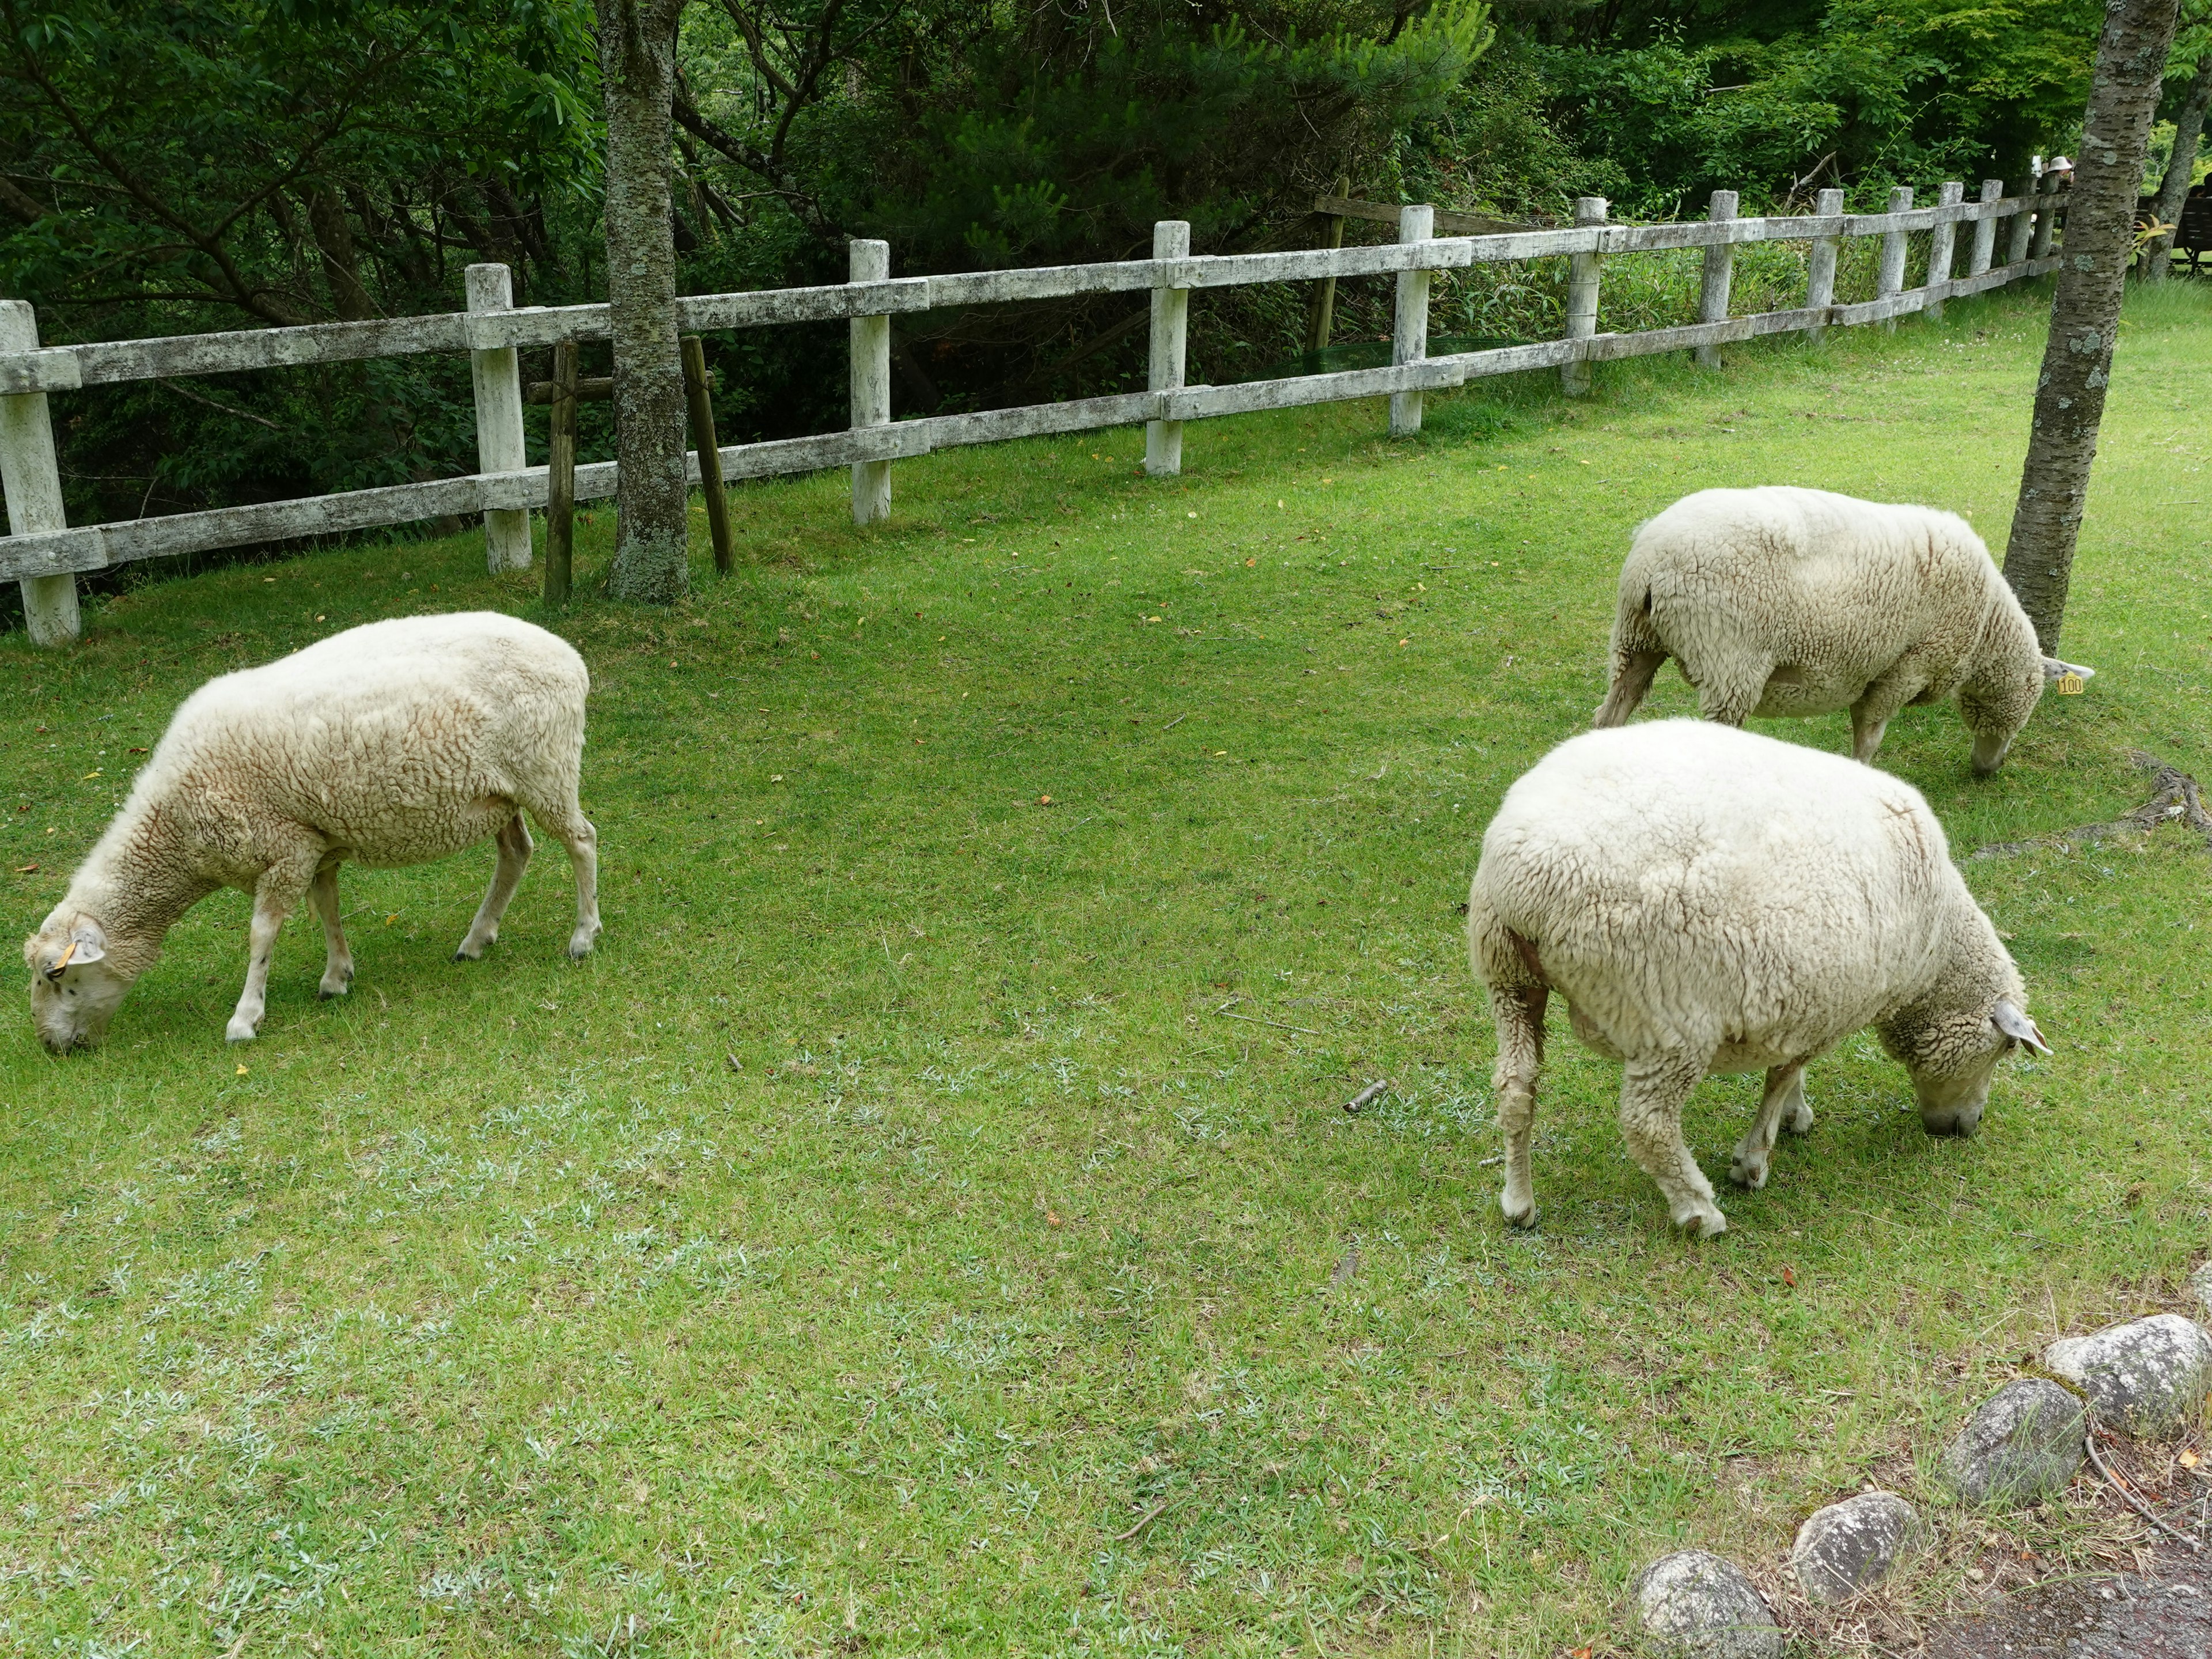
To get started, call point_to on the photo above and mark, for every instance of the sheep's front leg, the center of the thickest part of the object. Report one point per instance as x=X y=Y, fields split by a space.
x=276 y=896
x=338 y=956
x=1783 y=1101
x=505 y=876
x=1653 y=1091
x=1519 y=1012
x=1878 y=705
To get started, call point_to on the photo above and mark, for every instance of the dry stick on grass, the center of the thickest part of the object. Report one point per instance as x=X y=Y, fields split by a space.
x=2089 y=1445
x=1250 y=1019
x=1144 y=1521
x=1371 y=1092
x=2175 y=797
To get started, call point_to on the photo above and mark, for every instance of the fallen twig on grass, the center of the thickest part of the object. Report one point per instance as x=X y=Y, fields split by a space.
x=1173 y=723
x=1145 y=1520
x=2089 y=1445
x=2175 y=796
x=1371 y=1092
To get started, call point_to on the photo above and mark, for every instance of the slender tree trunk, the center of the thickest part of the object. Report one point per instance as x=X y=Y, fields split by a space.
x=2085 y=315
x=637 y=68
x=333 y=234
x=2173 y=189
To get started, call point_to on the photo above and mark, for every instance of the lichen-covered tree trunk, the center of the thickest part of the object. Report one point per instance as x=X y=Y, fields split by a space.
x=2085 y=315
x=2173 y=189
x=637 y=69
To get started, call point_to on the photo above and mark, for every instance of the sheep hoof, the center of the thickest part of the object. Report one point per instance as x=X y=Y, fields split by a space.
x=240 y=1029
x=1799 y=1122
x=1524 y=1217
x=1704 y=1224
x=466 y=953
x=333 y=988
x=1748 y=1175
x=579 y=945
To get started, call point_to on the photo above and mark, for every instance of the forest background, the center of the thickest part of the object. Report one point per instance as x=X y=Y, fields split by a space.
x=219 y=164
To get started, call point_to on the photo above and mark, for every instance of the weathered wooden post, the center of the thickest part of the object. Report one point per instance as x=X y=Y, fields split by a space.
x=1820 y=262
x=1985 y=230
x=1409 y=325
x=699 y=401
x=1321 y=310
x=1581 y=297
x=498 y=379
x=1942 y=244
x=1170 y=317
x=1889 y=276
x=33 y=479
x=561 y=477
x=1720 y=269
x=2023 y=224
x=2047 y=217
x=867 y=262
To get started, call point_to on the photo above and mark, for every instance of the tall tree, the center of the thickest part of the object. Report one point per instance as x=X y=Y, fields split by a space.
x=2085 y=314
x=637 y=72
x=2173 y=189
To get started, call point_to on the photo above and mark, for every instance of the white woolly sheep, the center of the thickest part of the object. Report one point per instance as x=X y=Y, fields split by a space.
x=1709 y=900
x=1782 y=601
x=395 y=743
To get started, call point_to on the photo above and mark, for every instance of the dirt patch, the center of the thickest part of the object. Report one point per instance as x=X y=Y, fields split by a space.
x=2165 y=1613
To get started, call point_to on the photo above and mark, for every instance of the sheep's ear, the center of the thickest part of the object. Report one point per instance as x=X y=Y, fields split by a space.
x=87 y=943
x=2016 y=1024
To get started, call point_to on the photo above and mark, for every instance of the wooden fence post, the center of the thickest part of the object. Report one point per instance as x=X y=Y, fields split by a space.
x=1985 y=231
x=32 y=480
x=2023 y=224
x=561 y=477
x=1409 y=326
x=699 y=401
x=1889 y=276
x=1720 y=269
x=1321 y=310
x=1170 y=316
x=1942 y=245
x=867 y=262
x=1820 y=262
x=498 y=379
x=2047 y=217
x=1582 y=298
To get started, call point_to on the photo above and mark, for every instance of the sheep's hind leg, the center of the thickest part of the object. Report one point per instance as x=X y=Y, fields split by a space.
x=337 y=964
x=276 y=896
x=574 y=830
x=1876 y=707
x=1632 y=674
x=1519 y=1010
x=1653 y=1091
x=1783 y=1102
x=513 y=859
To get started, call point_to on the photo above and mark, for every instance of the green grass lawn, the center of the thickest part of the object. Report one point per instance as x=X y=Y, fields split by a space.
x=928 y=1224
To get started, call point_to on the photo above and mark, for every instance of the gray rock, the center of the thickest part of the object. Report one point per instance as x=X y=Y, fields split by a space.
x=2201 y=1282
x=1843 y=1548
x=1698 y=1604
x=2146 y=1377
x=2021 y=1445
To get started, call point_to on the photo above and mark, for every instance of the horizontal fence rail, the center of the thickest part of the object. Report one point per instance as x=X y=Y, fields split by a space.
x=45 y=554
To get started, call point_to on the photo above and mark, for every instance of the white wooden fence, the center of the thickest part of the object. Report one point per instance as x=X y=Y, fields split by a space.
x=45 y=554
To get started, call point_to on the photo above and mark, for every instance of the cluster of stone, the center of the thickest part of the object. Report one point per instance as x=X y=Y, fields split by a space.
x=2022 y=1444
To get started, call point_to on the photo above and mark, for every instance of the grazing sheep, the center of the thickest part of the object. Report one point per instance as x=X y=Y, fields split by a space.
x=391 y=744
x=1782 y=601
x=1709 y=900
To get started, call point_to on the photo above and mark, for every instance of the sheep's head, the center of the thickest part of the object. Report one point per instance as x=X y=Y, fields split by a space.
x=1953 y=1054
x=75 y=990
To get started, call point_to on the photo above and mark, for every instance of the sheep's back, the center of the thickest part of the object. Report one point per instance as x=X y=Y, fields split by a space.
x=395 y=740
x=1685 y=883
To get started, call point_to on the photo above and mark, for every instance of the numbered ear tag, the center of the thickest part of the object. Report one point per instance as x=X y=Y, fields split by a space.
x=2069 y=685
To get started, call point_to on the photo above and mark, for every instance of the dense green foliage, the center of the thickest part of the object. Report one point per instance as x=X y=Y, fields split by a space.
x=232 y=163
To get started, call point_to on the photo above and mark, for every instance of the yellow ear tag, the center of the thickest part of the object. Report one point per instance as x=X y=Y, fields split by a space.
x=2069 y=686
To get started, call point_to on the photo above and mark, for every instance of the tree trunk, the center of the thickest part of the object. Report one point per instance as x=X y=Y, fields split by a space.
x=333 y=234
x=637 y=69
x=2085 y=315
x=2173 y=189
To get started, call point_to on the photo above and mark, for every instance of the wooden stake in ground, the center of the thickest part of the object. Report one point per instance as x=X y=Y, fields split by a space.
x=2084 y=315
x=699 y=395
x=561 y=477
x=637 y=70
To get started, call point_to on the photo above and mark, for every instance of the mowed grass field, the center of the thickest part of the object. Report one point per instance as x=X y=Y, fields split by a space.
x=929 y=1222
